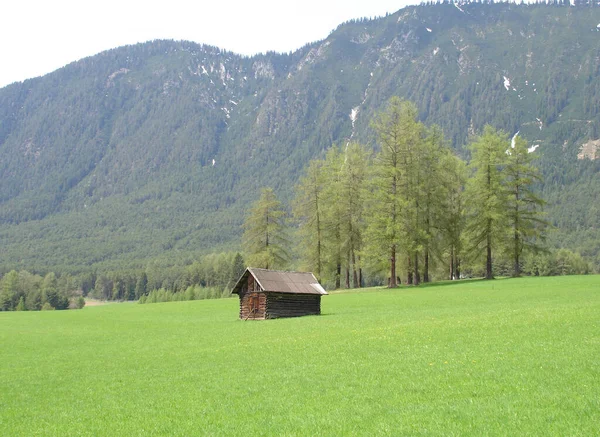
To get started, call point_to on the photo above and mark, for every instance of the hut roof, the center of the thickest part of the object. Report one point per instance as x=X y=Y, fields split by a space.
x=282 y=282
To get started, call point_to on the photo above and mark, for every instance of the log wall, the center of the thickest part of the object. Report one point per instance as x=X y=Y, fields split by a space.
x=292 y=305
x=253 y=303
x=253 y=306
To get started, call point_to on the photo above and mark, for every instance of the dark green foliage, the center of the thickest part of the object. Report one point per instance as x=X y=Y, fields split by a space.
x=80 y=302
x=23 y=291
x=237 y=269
x=107 y=163
x=265 y=237
x=211 y=276
x=524 y=206
x=191 y=293
x=487 y=196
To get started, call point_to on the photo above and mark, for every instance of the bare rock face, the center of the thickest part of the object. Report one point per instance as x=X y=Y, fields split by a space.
x=590 y=150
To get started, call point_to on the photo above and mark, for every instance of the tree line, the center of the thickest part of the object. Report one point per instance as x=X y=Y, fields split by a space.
x=411 y=212
x=211 y=276
x=24 y=291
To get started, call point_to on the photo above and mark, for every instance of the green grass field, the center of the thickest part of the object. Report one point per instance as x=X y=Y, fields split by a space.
x=506 y=357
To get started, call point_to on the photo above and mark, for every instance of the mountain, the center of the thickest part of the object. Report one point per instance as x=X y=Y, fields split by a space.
x=153 y=152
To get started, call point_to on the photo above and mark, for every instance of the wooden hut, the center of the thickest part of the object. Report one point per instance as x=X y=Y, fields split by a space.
x=270 y=294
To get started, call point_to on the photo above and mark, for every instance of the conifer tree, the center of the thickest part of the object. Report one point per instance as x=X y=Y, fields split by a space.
x=451 y=223
x=351 y=197
x=332 y=215
x=21 y=304
x=141 y=285
x=486 y=194
x=524 y=213
x=393 y=184
x=9 y=292
x=237 y=268
x=308 y=208
x=265 y=235
x=435 y=184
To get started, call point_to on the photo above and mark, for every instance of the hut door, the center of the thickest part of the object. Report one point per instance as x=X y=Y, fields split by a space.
x=254 y=303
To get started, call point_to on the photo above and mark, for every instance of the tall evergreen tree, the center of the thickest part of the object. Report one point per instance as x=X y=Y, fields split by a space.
x=452 y=221
x=308 y=209
x=238 y=267
x=398 y=132
x=141 y=284
x=524 y=208
x=9 y=291
x=435 y=183
x=265 y=237
x=354 y=173
x=486 y=194
x=332 y=215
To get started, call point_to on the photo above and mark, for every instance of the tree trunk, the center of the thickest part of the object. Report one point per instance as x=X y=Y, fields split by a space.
x=417 y=279
x=426 y=266
x=354 y=271
x=347 y=277
x=319 y=267
x=360 y=275
x=452 y=263
x=517 y=267
x=392 y=282
x=488 y=258
x=409 y=273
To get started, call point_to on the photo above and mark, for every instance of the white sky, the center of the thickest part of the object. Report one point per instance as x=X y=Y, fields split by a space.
x=40 y=36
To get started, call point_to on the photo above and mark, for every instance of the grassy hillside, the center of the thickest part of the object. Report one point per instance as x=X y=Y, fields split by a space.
x=508 y=357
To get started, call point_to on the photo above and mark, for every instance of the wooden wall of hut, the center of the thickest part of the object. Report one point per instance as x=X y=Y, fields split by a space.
x=292 y=305
x=253 y=306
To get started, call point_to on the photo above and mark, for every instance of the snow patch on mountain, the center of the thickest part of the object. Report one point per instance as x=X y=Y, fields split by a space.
x=353 y=115
x=512 y=141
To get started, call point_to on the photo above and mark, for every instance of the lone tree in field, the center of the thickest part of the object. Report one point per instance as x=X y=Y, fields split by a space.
x=524 y=213
x=265 y=235
x=486 y=194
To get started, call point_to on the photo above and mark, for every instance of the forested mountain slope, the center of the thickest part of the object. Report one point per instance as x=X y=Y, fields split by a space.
x=154 y=151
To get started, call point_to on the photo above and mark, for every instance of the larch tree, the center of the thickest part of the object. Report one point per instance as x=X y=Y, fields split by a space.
x=524 y=208
x=397 y=132
x=433 y=191
x=265 y=237
x=451 y=223
x=308 y=208
x=486 y=195
x=352 y=192
x=332 y=215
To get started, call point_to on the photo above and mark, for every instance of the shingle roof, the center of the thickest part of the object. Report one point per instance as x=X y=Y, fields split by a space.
x=282 y=282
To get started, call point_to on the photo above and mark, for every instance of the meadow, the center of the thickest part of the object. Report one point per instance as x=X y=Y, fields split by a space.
x=503 y=357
